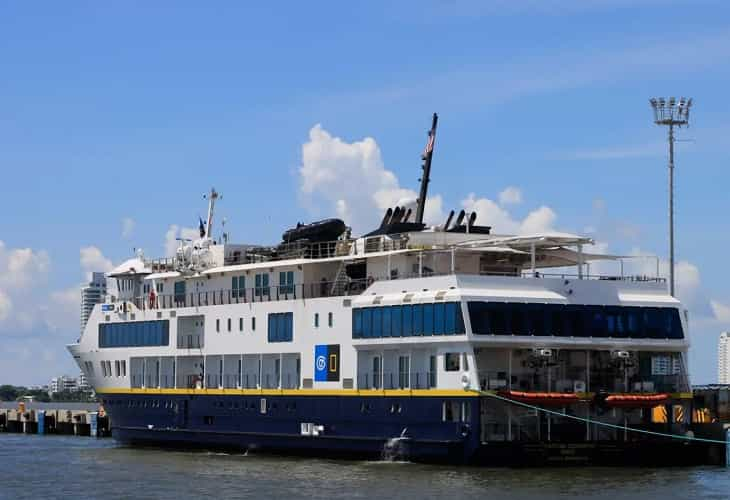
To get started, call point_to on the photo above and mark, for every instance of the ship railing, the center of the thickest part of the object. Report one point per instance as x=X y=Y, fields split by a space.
x=295 y=250
x=397 y=380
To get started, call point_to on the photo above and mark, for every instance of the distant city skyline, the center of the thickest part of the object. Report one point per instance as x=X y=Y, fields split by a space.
x=117 y=118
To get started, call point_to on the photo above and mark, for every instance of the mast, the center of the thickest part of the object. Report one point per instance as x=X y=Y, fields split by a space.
x=426 y=157
x=211 y=205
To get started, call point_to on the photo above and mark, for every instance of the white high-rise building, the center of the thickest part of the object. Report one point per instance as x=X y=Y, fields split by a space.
x=92 y=294
x=723 y=358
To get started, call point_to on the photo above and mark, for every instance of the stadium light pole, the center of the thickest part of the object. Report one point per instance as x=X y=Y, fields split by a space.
x=672 y=113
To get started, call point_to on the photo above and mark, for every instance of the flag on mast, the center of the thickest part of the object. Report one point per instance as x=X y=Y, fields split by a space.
x=429 y=144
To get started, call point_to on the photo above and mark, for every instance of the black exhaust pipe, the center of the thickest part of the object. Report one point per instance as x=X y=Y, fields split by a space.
x=448 y=220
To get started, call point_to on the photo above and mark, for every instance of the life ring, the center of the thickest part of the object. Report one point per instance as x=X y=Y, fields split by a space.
x=371 y=280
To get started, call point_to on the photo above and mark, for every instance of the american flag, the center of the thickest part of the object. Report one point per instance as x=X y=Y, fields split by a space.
x=429 y=145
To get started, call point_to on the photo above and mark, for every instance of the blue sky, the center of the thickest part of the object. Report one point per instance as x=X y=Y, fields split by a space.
x=130 y=111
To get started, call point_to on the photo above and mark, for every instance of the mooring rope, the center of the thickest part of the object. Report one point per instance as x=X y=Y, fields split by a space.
x=598 y=422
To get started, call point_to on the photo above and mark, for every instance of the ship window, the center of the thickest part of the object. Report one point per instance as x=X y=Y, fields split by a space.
x=124 y=368
x=330 y=319
x=238 y=287
x=229 y=324
x=117 y=368
x=286 y=282
x=396 y=321
x=407 y=313
x=262 y=285
x=427 y=319
x=316 y=318
x=217 y=325
x=418 y=319
x=536 y=313
x=281 y=327
x=451 y=361
x=240 y=324
x=253 y=323
x=377 y=322
x=134 y=334
x=439 y=319
x=356 y=323
x=386 y=321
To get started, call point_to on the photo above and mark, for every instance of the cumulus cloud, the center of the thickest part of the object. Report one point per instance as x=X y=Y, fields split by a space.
x=510 y=195
x=492 y=214
x=92 y=259
x=350 y=179
x=173 y=233
x=127 y=227
x=21 y=267
x=721 y=311
x=6 y=305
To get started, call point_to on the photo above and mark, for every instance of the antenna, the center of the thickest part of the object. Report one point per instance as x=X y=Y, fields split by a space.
x=426 y=157
x=671 y=112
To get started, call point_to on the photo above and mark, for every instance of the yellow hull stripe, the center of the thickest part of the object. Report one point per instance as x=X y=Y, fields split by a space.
x=292 y=392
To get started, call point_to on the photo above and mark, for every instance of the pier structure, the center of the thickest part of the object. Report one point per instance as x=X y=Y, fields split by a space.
x=66 y=418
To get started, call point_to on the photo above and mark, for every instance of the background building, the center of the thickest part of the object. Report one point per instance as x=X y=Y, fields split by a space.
x=92 y=294
x=723 y=358
x=64 y=383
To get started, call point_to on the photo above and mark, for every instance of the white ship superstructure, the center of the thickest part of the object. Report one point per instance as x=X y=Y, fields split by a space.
x=332 y=343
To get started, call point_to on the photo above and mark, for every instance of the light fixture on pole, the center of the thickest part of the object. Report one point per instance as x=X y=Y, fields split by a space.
x=671 y=112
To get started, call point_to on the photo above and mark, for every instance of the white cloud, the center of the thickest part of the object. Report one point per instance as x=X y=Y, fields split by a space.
x=21 y=267
x=6 y=306
x=127 y=227
x=721 y=311
x=350 y=179
x=492 y=214
x=173 y=233
x=93 y=260
x=510 y=195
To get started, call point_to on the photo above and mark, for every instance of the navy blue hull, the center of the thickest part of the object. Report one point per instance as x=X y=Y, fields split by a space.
x=411 y=428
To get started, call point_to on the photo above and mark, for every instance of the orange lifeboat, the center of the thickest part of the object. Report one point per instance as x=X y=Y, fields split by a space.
x=636 y=400
x=542 y=398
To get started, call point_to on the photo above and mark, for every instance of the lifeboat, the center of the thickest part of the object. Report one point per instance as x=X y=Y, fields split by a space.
x=542 y=398
x=323 y=230
x=636 y=400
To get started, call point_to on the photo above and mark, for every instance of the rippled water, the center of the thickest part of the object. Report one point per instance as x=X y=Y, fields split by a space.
x=73 y=467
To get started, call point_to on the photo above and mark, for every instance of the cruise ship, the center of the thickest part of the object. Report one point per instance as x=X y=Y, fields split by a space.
x=447 y=342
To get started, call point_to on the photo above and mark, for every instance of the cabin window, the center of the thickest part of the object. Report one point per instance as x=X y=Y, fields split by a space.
x=217 y=325
x=432 y=370
x=330 y=320
x=404 y=370
x=238 y=287
x=229 y=324
x=281 y=327
x=179 y=292
x=134 y=334
x=316 y=320
x=240 y=324
x=160 y=287
x=451 y=361
x=407 y=320
x=117 y=368
x=286 y=282
x=262 y=285
x=253 y=323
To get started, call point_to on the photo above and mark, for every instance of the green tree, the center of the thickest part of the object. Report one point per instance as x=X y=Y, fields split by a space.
x=8 y=393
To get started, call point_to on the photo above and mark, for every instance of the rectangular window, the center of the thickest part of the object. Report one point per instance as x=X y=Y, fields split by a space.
x=451 y=361
x=396 y=321
x=377 y=322
x=124 y=368
x=253 y=323
x=356 y=323
x=262 y=285
x=217 y=325
x=238 y=287
x=418 y=319
x=316 y=318
x=367 y=322
x=229 y=324
x=427 y=319
x=330 y=319
x=134 y=334
x=117 y=368
x=404 y=369
x=281 y=327
x=432 y=371
x=439 y=318
x=407 y=314
x=179 y=292
x=240 y=324
x=286 y=282
x=386 y=321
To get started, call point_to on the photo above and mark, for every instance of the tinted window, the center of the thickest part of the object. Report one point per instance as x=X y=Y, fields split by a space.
x=407 y=313
x=386 y=321
x=377 y=322
x=396 y=320
x=418 y=319
x=439 y=319
x=427 y=319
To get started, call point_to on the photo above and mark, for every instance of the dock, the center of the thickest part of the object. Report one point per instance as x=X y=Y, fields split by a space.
x=67 y=418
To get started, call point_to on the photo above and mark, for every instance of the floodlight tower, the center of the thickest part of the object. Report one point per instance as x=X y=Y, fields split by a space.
x=671 y=112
